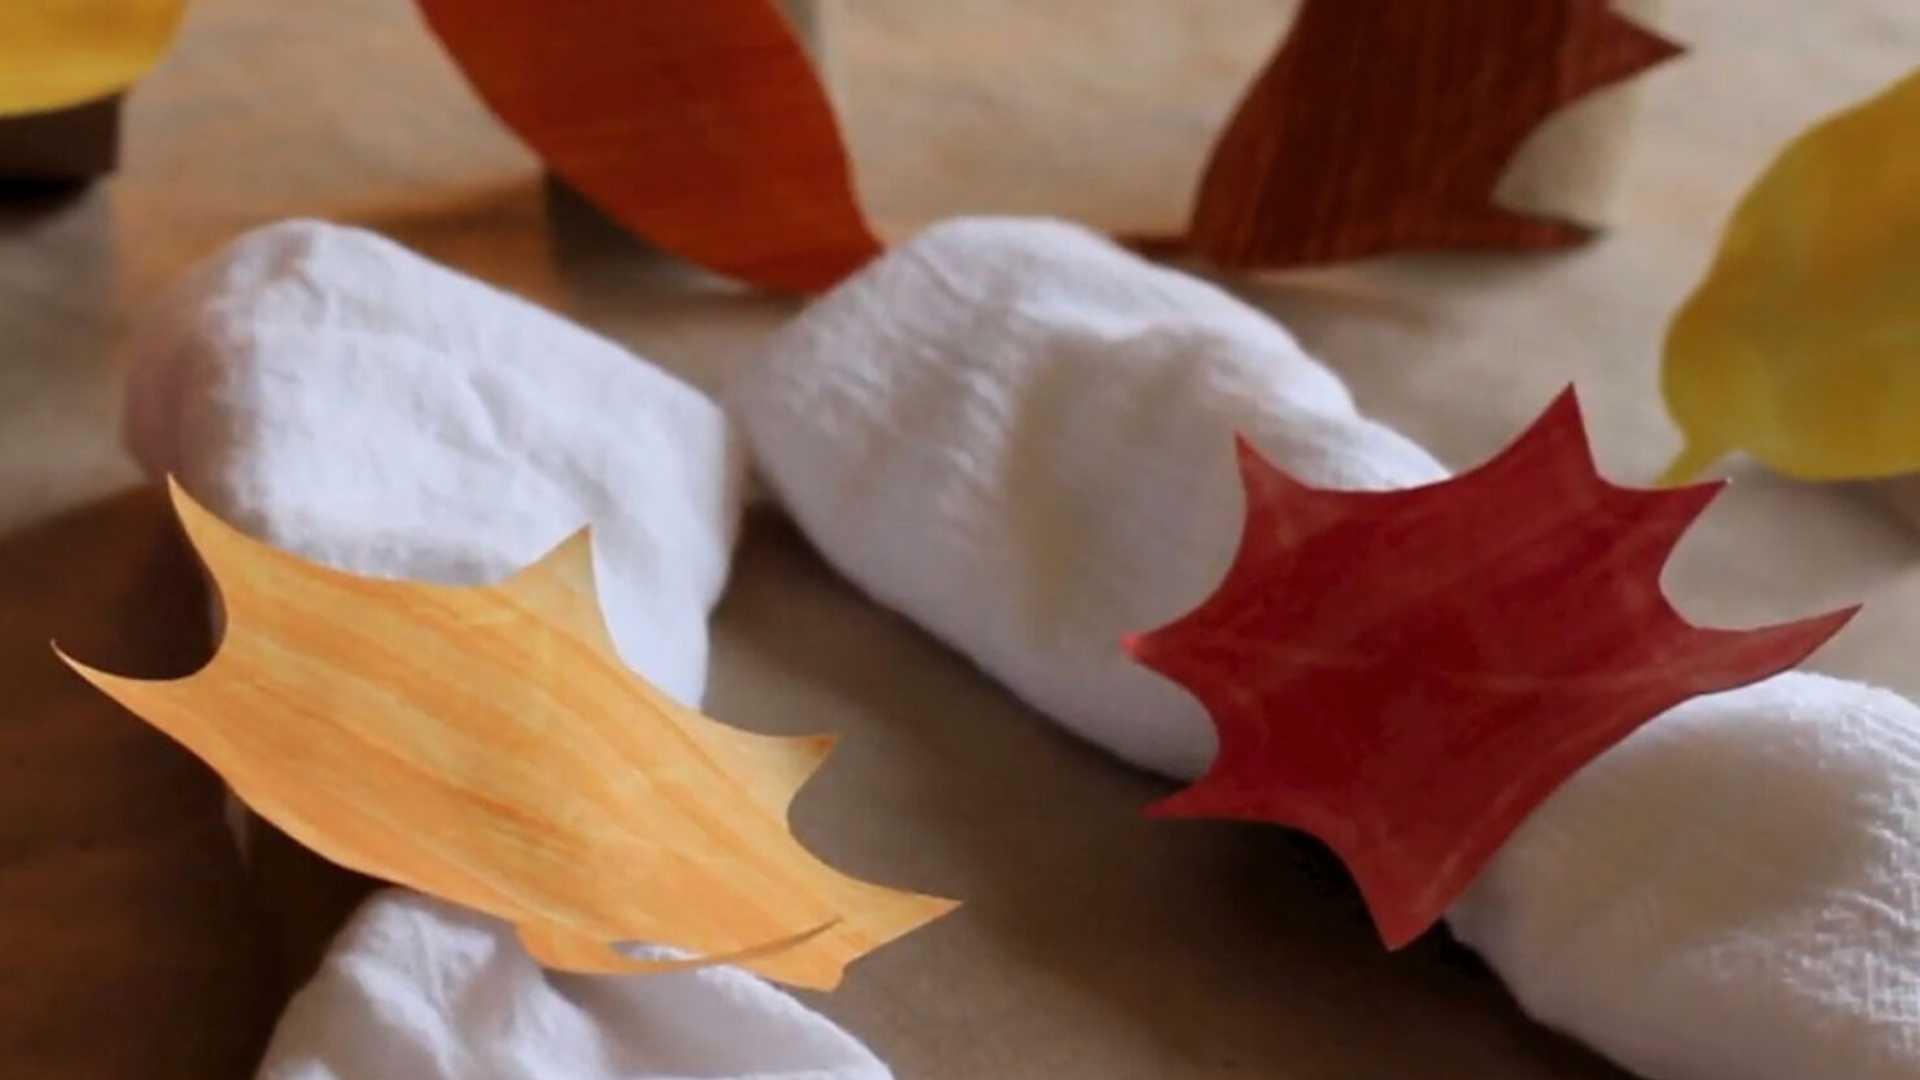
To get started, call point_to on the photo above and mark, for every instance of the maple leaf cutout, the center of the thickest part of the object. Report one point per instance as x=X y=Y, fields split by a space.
x=1386 y=126
x=487 y=745
x=1407 y=674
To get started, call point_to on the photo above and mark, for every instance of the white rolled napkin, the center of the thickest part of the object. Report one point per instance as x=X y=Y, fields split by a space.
x=1020 y=436
x=416 y=987
x=1731 y=893
x=336 y=395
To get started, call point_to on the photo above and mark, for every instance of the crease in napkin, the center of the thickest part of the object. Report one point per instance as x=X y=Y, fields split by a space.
x=331 y=393
x=1020 y=437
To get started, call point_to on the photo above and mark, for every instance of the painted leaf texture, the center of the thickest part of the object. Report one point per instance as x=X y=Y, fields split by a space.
x=702 y=127
x=487 y=745
x=1385 y=125
x=1801 y=345
x=1407 y=674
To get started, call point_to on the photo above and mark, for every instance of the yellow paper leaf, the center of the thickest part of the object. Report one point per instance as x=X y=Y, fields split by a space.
x=488 y=746
x=59 y=53
x=1802 y=345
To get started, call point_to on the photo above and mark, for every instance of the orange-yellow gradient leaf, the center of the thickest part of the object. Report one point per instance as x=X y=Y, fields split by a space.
x=55 y=54
x=1802 y=345
x=487 y=745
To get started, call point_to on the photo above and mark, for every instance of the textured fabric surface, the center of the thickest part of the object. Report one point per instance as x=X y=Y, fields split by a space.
x=1732 y=892
x=1019 y=436
x=1022 y=438
x=336 y=395
x=415 y=987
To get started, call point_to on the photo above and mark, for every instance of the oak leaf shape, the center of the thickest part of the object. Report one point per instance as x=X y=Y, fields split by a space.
x=1407 y=674
x=700 y=126
x=1385 y=125
x=1801 y=345
x=488 y=746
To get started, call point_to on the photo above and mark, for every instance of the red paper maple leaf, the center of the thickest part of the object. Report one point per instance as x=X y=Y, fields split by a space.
x=1407 y=674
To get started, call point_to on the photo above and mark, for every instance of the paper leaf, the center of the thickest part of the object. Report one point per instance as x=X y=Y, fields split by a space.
x=1385 y=126
x=1407 y=674
x=699 y=126
x=62 y=53
x=1802 y=344
x=487 y=745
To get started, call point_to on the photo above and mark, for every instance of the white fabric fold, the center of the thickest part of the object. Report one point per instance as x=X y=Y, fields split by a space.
x=1732 y=893
x=1020 y=436
x=340 y=397
x=415 y=987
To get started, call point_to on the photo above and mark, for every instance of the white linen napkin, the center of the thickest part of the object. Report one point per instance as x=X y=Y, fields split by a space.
x=416 y=987
x=1020 y=436
x=338 y=396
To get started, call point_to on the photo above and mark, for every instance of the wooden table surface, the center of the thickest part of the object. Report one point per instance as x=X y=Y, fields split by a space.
x=129 y=941
x=1094 y=943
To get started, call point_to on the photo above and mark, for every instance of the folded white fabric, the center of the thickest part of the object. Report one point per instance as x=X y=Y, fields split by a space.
x=334 y=394
x=343 y=398
x=415 y=987
x=1021 y=437
x=1733 y=892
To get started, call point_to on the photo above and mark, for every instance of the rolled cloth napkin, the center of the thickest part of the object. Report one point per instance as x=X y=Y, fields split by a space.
x=1020 y=436
x=340 y=397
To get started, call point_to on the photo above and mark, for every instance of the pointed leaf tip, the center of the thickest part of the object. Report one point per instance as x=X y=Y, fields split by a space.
x=1783 y=645
x=1254 y=464
x=1625 y=48
x=1687 y=502
x=1553 y=442
x=1562 y=414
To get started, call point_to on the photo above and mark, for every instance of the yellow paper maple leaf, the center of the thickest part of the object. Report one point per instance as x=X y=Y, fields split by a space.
x=1802 y=345
x=487 y=745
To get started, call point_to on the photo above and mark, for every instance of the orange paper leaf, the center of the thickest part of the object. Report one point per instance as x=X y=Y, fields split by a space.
x=1407 y=674
x=488 y=746
x=700 y=126
x=1384 y=125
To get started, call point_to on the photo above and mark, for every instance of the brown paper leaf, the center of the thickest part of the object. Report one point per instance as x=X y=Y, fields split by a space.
x=1384 y=125
x=487 y=745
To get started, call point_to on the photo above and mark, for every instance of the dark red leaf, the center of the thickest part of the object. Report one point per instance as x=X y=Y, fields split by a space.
x=1385 y=125
x=1407 y=674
